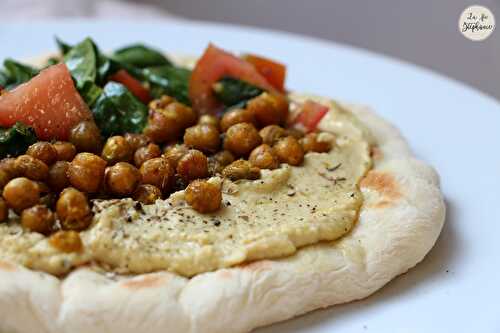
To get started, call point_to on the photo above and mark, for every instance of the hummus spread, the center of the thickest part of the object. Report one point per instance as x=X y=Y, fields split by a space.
x=271 y=217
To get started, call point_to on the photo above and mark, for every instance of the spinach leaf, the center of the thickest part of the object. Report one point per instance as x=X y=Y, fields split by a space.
x=81 y=61
x=169 y=80
x=141 y=56
x=52 y=61
x=63 y=47
x=3 y=79
x=231 y=91
x=16 y=139
x=90 y=92
x=117 y=111
x=17 y=73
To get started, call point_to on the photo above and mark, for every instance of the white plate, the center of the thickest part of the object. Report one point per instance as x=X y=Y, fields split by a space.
x=453 y=127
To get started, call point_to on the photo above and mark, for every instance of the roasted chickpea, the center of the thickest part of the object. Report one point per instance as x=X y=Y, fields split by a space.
x=236 y=116
x=219 y=161
x=136 y=141
x=58 y=178
x=174 y=153
x=66 y=241
x=241 y=139
x=145 y=153
x=9 y=166
x=271 y=134
x=289 y=151
x=147 y=194
x=202 y=137
x=264 y=157
x=86 y=137
x=192 y=166
x=38 y=219
x=116 y=149
x=66 y=151
x=31 y=167
x=184 y=114
x=158 y=172
x=203 y=196
x=73 y=210
x=86 y=172
x=296 y=133
x=4 y=178
x=49 y=200
x=310 y=142
x=166 y=124
x=208 y=119
x=4 y=210
x=269 y=108
x=122 y=179
x=21 y=193
x=44 y=151
x=241 y=169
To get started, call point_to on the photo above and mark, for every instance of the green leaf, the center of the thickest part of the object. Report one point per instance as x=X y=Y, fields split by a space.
x=141 y=56
x=117 y=111
x=169 y=80
x=3 y=79
x=52 y=61
x=90 y=93
x=17 y=73
x=230 y=91
x=63 y=47
x=16 y=139
x=81 y=61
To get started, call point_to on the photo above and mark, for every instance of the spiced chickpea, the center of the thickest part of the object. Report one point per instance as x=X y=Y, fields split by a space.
x=31 y=167
x=158 y=172
x=122 y=179
x=66 y=151
x=73 y=210
x=147 y=194
x=289 y=151
x=21 y=193
x=174 y=153
x=192 y=166
x=269 y=108
x=4 y=210
x=58 y=178
x=145 y=153
x=241 y=139
x=296 y=133
x=203 y=137
x=44 y=151
x=86 y=172
x=236 y=116
x=66 y=241
x=136 y=140
x=166 y=124
x=208 y=119
x=264 y=157
x=38 y=219
x=86 y=137
x=9 y=166
x=203 y=196
x=311 y=143
x=117 y=149
x=219 y=161
x=271 y=134
x=241 y=169
x=4 y=178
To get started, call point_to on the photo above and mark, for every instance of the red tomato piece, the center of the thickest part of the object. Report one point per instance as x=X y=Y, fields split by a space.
x=310 y=115
x=211 y=67
x=49 y=103
x=274 y=72
x=132 y=84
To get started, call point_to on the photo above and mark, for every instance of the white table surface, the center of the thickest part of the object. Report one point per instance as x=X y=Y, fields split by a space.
x=453 y=127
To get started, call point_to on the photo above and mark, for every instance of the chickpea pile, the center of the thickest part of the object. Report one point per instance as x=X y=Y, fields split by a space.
x=50 y=185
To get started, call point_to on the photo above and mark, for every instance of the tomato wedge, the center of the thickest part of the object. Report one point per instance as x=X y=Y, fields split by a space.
x=273 y=71
x=310 y=115
x=211 y=67
x=132 y=84
x=49 y=103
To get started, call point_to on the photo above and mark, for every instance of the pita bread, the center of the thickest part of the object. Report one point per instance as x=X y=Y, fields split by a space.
x=401 y=218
